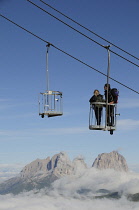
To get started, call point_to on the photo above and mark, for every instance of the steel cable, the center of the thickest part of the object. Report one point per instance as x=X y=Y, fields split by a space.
x=67 y=53
x=89 y=30
x=81 y=32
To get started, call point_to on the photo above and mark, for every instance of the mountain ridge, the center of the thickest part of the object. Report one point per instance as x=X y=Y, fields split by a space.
x=41 y=173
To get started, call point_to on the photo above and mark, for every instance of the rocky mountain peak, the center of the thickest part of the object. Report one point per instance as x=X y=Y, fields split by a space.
x=58 y=165
x=112 y=160
x=61 y=164
x=38 y=166
x=43 y=172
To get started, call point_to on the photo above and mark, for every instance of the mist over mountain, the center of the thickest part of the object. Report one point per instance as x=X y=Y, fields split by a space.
x=41 y=173
x=107 y=178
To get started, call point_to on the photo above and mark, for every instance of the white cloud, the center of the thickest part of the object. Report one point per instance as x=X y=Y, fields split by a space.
x=70 y=130
x=44 y=202
x=134 y=167
x=4 y=100
x=21 y=134
x=128 y=124
x=8 y=171
x=64 y=196
x=94 y=180
x=128 y=103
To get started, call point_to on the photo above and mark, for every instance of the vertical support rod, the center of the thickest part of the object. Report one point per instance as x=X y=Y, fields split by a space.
x=108 y=77
x=108 y=71
x=47 y=76
x=47 y=72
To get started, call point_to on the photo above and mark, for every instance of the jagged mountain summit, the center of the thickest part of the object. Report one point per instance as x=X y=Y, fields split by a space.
x=112 y=160
x=59 y=165
x=42 y=173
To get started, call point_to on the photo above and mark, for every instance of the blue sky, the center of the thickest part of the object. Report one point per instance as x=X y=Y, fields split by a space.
x=24 y=136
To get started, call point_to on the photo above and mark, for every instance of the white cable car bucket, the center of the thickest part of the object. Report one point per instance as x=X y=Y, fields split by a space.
x=96 y=119
x=103 y=123
x=50 y=102
x=106 y=119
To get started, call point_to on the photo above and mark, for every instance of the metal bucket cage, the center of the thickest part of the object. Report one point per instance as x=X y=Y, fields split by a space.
x=102 y=116
x=50 y=104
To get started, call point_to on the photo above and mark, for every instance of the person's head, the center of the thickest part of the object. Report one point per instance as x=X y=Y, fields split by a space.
x=107 y=86
x=96 y=92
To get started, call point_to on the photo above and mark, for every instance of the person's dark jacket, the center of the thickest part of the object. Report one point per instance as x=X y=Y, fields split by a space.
x=98 y=98
x=110 y=97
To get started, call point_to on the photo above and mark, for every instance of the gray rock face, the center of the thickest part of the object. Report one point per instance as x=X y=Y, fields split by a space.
x=112 y=160
x=59 y=165
x=35 y=168
x=41 y=173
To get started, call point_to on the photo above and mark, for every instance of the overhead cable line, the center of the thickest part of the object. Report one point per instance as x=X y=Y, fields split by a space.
x=80 y=32
x=67 y=53
x=89 y=30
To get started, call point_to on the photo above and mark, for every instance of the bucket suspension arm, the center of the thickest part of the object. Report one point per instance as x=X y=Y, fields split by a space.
x=47 y=72
x=108 y=77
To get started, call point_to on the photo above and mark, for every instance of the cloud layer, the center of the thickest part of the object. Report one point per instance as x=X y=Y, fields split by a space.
x=8 y=171
x=128 y=124
x=44 y=202
x=64 y=193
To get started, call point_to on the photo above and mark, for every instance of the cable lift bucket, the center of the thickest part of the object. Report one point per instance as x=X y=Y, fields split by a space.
x=102 y=120
x=103 y=115
x=50 y=102
x=96 y=116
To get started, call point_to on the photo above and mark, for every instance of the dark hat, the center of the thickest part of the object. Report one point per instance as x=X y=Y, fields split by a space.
x=107 y=85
